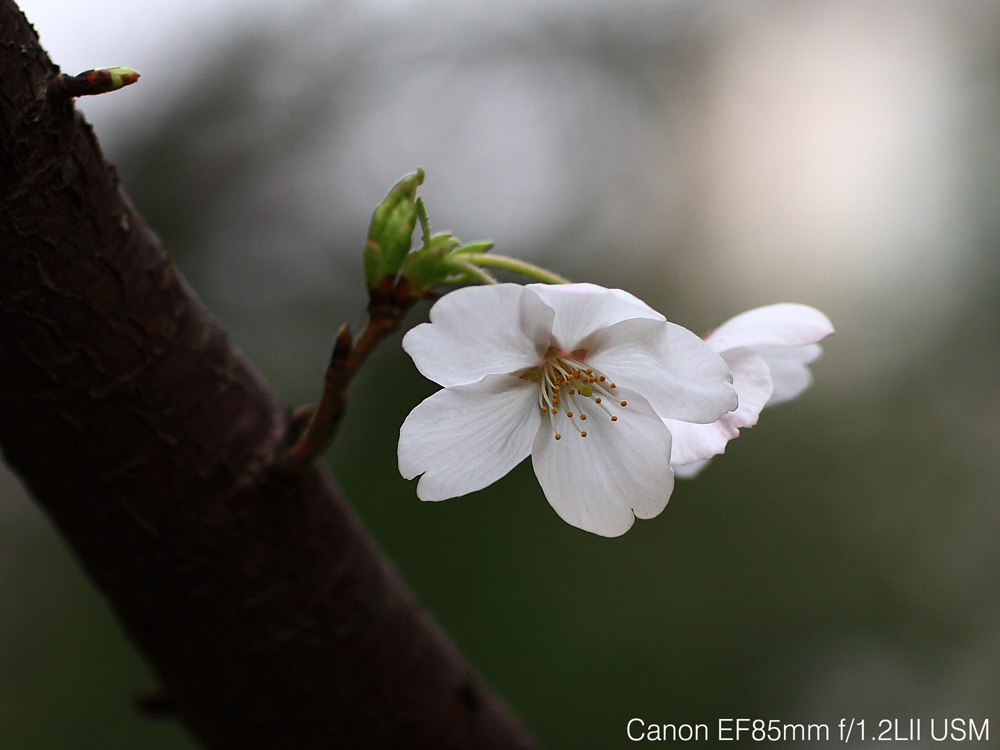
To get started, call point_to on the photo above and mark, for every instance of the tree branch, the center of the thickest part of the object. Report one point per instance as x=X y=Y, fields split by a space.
x=267 y=612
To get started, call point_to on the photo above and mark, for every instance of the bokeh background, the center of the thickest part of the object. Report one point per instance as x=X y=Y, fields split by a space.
x=840 y=560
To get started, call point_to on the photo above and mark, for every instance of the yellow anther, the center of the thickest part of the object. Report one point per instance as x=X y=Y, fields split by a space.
x=567 y=371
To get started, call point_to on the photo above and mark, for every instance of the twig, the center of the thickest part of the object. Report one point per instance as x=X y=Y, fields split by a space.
x=387 y=306
x=91 y=82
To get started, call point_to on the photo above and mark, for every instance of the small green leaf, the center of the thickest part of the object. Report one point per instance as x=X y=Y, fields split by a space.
x=477 y=248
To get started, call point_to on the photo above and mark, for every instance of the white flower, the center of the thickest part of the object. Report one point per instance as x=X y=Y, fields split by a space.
x=579 y=377
x=768 y=350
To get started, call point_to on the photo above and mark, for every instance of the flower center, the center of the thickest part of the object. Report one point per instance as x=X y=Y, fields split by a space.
x=568 y=388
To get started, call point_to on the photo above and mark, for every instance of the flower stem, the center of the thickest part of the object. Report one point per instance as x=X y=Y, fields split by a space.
x=512 y=264
x=469 y=269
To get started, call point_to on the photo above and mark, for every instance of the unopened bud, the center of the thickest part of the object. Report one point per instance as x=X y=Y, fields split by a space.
x=391 y=232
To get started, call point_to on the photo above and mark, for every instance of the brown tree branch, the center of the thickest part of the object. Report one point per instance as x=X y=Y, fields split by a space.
x=267 y=612
x=387 y=306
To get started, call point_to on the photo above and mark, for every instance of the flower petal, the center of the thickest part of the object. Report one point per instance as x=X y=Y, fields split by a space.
x=466 y=437
x=619 y=472
x=689 y=471
x=671 y=367
x=478 y=331
x=784 y=324
x=789 y=369
x=583 y=309
x=697 y=442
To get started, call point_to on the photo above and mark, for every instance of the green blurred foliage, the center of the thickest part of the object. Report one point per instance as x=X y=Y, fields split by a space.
x=839 y=560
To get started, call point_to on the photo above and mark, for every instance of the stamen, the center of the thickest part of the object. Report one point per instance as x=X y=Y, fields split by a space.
x=564 y=377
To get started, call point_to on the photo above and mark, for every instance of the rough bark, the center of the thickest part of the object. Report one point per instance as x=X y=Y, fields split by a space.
x=265 y=609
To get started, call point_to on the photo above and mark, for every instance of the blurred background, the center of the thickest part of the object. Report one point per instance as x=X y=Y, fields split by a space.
x=840 y=560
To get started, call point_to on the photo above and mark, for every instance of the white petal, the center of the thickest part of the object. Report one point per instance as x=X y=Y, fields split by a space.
x=671 y=367
x=619 y=472
x=466 y=437
x=784 y=324
x=697 y=442
x=478 y=331
x=789 y=369
x=687 y=471
x=752 y=383
x=583 y=309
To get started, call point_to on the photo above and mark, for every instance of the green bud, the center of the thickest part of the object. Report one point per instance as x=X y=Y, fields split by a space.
x=121 y=77
x=391 y=231
x=426 y=269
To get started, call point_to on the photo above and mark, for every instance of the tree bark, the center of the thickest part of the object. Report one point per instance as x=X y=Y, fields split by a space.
x=265 y=609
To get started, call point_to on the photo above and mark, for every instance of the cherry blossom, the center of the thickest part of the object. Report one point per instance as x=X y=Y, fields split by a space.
x=585 y=380
x=768 y=350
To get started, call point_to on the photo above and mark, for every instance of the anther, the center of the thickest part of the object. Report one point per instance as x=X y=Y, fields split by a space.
x=569 y=414
x=624 y=403
x=614 y=419
x=558 y=436
x=583 y=416
x=583 y=434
